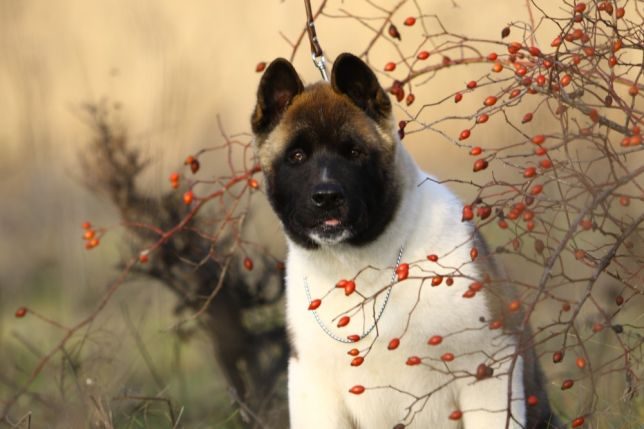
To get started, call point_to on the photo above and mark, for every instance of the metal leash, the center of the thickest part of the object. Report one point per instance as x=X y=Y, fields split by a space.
x=376 y=319
x=316 y=50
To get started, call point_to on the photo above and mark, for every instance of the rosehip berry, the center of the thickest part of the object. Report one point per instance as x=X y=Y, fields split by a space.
x=260 y=67
x=447 y=357
x=422 y=55
x=21 y=312
x=435 y=340
x=413 y=360
x=580 y=362
x=353 y=352
x=315 y=304
x=410 y=21
x=456 y=415
x=464 y=135
x=577 y=422
x=393 y=344
x=490 y=101
x=476 y=150
x=248 y=263
x=432 y=258
x=357 y=389
x=567 y=384
x=532 y=400
x=344 y=321
x=357 y=361
x=479 y=164
x=557 y=357
x=514 y=305
x=458 y=97
x=389 y=67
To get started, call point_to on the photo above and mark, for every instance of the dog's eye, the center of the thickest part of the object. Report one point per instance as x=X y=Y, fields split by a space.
x=296 y=156
x=355 y=153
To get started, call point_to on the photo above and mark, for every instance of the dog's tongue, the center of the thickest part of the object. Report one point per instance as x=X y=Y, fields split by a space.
x=332 y=222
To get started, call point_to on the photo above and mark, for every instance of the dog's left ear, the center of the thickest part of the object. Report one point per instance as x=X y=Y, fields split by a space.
x=352 y=77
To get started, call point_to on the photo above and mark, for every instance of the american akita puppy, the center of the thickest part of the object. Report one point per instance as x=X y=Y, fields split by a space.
x=423 y=352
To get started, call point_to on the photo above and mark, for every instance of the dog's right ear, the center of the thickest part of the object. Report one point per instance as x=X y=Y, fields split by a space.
x=279 y=85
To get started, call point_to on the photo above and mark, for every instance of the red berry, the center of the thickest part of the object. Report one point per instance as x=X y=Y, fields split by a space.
x=624 y=201
x=432 y=258
x=21 y=312
x=410 y=21
x=469 y=293
x=437 y=280
x=393 y=32
x=538 y=139
x=447 y=357
x=353 y=338
x=633 y=90
x=479 y=164
x=529 y=172
x=402 y=271
x=315 y=304
x=458 y=97
x=476 y=150
x=515 y=93
x=357 y=389
x=86 y=225
x=449 y=281
x=253 y=183
x=435 y=340
x=248 y=263
x=483 y=118
x=349 y=287
x=540 y=150
x=567 y=384
x=89 y=234
x=353 y=352
x=492 y=56
x=503 y=224
x=464 y=134
x=390 y=67
x=476 y=286
x=526 y=118
x=495 y=324
x=144 y=257
x=260 y=67
x=556 y=42
x=620 y=12
x=565 y=80
x=514 y=47
x=497 y=67
x=472 y=84
x=456 y=415
x=545 y=164
x=619 y=300
x=577 y=422
x=393 y=344
x=357 y=361
x=536 y=189
x=422 y=55
x=586 y=224
x=344 y=321
x=413 y=360
x=532 y=400
x=474 y=253
x=468 y=214
x=490 y=101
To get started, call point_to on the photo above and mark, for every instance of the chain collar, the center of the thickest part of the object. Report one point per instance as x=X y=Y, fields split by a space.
x=377 y=318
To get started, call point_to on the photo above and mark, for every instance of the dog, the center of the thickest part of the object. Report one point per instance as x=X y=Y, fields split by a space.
x=384 y=332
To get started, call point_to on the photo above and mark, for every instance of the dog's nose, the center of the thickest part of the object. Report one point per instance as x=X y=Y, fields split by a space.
x=327 y=195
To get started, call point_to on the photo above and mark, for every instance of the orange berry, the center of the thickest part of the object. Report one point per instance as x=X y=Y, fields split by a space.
x=188 y=197
x=633 y=90
x=402 y=271
x=144 y=257
x=353 y=352
x=89 y=234
x=253 y=184
x=86 y=225
x=495 y=324
x=538 y=139
x=514 y=305
x=497 y=67
x=476 y=150
x=390 y=67
x=468 y=214
x=580 y=362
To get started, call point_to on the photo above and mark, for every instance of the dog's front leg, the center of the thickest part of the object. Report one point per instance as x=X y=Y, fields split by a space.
x=314 y=402
x=485 y=402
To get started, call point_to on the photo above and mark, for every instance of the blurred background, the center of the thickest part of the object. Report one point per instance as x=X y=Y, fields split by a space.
x=171 y=68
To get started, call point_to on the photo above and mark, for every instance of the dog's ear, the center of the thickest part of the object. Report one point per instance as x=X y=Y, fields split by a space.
x=352 y=77
x=277 y=88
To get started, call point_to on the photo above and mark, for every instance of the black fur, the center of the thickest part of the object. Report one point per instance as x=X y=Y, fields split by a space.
x=367 y=201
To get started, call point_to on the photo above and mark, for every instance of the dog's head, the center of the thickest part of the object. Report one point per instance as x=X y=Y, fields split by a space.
x=327 y=152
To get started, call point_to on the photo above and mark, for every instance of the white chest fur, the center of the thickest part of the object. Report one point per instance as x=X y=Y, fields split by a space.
x=420 y=396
